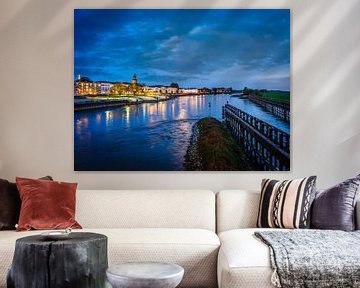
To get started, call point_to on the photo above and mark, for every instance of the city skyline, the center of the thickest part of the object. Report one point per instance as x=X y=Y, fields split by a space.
x=212 y=48
x=85 y=78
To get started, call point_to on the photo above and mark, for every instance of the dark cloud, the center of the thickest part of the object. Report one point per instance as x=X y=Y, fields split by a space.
x=192 y=47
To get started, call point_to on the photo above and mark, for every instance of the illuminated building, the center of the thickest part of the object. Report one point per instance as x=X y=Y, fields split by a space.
x=188 y=91
x=152 y=90
x=204 y=91
x=104 y=88
x=84 y=86
x=134 y=82
x=171 y=90
x=121 y=88
x=221 y=90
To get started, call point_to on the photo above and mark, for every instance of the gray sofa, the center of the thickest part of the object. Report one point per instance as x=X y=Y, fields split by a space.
x=210 y=235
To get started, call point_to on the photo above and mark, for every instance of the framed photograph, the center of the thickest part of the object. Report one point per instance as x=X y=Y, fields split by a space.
x=182 y=90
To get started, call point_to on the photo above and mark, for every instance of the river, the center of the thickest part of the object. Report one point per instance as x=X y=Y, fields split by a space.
x=149 y=136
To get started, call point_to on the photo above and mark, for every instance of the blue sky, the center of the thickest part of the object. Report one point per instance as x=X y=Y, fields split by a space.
x=195 y=48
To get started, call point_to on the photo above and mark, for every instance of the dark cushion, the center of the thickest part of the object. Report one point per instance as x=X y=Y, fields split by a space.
x=46 y=204
x=334 y=208
x=10 y=204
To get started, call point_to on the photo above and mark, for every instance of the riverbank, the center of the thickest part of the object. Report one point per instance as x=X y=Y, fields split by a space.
x=212 y=148
x=88 y=103
x=97 y=102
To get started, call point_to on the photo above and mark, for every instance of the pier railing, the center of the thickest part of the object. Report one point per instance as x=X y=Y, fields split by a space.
x=278 y=108
x=267 y=147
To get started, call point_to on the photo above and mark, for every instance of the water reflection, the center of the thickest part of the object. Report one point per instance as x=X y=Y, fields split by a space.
x=151 y=136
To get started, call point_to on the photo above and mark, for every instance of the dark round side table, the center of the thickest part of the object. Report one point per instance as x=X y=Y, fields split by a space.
x=78 y=261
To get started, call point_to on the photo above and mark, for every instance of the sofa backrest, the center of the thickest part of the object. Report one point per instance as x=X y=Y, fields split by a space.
x=146 y=209
x=239 y=209
x=236 y=209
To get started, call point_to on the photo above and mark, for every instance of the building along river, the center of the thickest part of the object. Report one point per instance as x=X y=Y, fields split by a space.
x=149 y=136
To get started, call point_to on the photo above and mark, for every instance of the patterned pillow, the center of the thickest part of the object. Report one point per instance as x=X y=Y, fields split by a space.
x=286 y=204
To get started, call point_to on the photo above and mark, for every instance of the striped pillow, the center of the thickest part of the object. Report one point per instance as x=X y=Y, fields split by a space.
x=286 y=204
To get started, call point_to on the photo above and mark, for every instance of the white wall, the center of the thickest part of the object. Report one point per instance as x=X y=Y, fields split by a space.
x=36 y=92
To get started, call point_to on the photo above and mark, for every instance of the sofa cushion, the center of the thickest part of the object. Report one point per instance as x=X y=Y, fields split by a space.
x=334 y=208
x=286 y=204
x=153 y=209
x=244 y=261
x=194 y=249
x=46 y=204
x=10 y=204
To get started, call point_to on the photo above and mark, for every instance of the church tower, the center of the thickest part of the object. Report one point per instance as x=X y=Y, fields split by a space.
x=134 y=82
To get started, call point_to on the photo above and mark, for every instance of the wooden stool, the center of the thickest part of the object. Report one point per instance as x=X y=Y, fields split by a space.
x=78 y=261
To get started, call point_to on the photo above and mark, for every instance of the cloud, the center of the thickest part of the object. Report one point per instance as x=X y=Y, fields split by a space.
x=170 y=45
x=201 y=29
x=192 y=47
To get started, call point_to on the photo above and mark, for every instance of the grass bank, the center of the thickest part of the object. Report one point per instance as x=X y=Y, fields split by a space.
x=276 y=95
x=213 y=149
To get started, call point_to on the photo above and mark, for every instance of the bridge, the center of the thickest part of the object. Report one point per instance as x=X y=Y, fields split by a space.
x=267 y=147
x=278 y=108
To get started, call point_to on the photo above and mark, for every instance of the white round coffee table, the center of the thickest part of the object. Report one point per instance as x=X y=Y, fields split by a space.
x=145 y=275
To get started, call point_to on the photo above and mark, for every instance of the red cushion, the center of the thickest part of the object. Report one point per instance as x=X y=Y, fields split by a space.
x=46 y=204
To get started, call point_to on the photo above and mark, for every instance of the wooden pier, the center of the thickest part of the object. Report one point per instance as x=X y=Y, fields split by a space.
x=278 y=108
x=267 y=147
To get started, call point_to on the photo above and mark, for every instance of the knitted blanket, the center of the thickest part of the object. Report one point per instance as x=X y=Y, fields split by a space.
x=313 y=258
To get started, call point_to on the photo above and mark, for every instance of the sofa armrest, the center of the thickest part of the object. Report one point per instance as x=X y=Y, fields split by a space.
x=357 y=215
